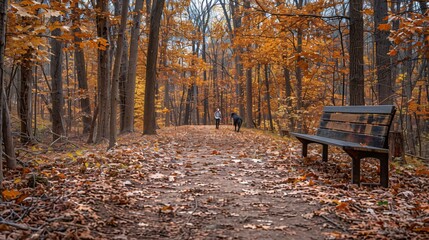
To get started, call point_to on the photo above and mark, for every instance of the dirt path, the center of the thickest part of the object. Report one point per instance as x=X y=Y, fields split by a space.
x=214 y=184
x=196 y=182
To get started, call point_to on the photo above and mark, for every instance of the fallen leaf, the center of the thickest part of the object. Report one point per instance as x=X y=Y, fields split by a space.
x=157 y=176
x=308 y=215
x=10 y=194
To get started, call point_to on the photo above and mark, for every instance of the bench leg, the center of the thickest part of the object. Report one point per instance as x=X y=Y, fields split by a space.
x=358 y=155
x=325 y=153
x=384 y=172
x=304 y=146
x=356 y=171
x=304 y=149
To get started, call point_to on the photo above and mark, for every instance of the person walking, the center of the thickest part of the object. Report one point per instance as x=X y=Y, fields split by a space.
x=218 y=116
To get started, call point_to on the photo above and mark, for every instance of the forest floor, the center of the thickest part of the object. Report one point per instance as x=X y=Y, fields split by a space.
x=196 y=182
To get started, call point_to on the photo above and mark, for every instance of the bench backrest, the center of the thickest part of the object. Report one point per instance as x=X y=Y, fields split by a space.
x=367 y=125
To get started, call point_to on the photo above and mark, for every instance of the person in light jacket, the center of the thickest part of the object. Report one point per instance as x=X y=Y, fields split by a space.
x=217 y=116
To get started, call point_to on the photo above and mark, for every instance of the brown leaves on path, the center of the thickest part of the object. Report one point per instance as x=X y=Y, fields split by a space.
x=196 y=182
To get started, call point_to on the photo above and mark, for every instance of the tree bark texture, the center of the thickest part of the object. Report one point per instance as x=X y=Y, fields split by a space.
x=103 y=79
x=249 y=87
x=57 y=85
x=132 y=69
x=206 y=89
x=25 y=98
x=268 y=96
x=249 y=100
x=288 y=96
x=123 y=76
x=356 y=78
x=149 y=121
x=9 y=146
x=424 y=11
x=164 y=60
x=116 y=70
x=383 y=65
x=298 y=72
x=189 y=97
x=81 y=73
x=123 y=71
x=232 y=27
x=167 y=102
x=3 y=16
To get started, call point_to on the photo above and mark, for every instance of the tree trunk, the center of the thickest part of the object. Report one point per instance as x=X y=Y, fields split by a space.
x=182 y=99
x=57 y=85
x=356 y=81
x=384 y=73
x=25 y=98
x=299 y=73
x=123 y=74
x=187 y=116
x=167 y=102
x=3 y=17
x=93 y=123
x=123 y=70
x=116 y=69
x=206 y=90
x=236 y=23
x=215 y=80
x=103 y=79
x=268 y=96
x=9 y=148
x=424 y=11
x=85 y=104
x=197 y=111
x=149 y=122
x=259 y=96
x=132 y=69
x=249 y=103
x=395 y=9
x=288 y=96
x=249 y=89
x=68 y=123
x=148 y=10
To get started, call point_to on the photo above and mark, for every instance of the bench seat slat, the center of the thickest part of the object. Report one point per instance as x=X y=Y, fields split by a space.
x=378 y=119
x=339 y=143
x=367 y=140
x=367 y=129
x=382 y=109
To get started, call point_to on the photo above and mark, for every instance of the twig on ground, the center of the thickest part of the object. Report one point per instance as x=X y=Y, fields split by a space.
x=244 y=219
x=188 y=233
x=20 y=226
x=357 y=207
x=334 y=223
x=27 y=210
x=193 y=210
x=61 y=219
x=302 y=226
x=76 y=225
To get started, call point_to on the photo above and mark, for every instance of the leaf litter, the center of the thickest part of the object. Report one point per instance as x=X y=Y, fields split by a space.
x=196 y=182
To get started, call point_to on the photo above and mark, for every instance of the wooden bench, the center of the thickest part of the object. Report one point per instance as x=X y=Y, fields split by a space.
x=361 y=131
